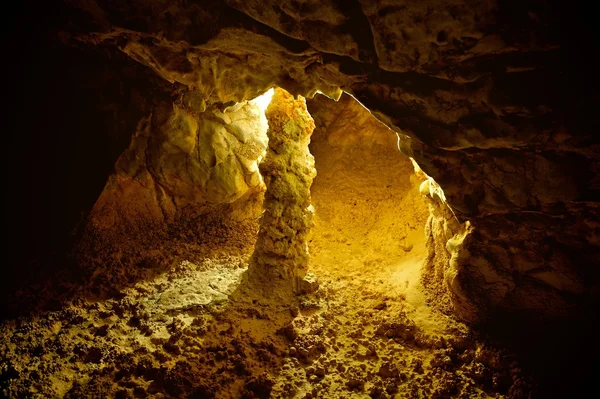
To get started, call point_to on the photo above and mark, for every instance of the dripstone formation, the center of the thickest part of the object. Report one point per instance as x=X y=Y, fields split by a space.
x=280 y=259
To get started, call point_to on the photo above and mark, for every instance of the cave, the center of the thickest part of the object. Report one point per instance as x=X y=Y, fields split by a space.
x=301 y=199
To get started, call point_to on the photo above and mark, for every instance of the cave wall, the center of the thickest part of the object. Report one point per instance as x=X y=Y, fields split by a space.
x=494 y=99
x=184 y=163
x=188 y=185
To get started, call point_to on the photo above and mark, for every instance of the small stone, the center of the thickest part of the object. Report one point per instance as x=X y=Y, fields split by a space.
x=308 y=284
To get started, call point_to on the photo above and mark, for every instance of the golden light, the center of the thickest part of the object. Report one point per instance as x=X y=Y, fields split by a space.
x=264 y=100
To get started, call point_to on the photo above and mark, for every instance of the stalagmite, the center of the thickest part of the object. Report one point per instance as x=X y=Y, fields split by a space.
x=280 y=259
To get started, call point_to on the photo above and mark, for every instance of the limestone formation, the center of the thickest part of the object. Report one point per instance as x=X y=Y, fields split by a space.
x=183 y=162
x=280 y=259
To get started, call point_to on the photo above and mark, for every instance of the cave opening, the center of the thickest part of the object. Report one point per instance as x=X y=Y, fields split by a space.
x=369 y=203
x=370 y=214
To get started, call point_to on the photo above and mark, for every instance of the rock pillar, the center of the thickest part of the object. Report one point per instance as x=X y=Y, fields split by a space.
x=280 y=259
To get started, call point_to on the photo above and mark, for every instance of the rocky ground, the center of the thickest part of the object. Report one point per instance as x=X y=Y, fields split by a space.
x=188 y=333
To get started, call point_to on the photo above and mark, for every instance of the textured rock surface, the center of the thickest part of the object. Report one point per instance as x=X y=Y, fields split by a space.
x=183 y=163
x=494 y=99
x=280 y=258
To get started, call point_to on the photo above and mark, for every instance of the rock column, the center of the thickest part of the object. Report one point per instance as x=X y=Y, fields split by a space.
x=280 y=260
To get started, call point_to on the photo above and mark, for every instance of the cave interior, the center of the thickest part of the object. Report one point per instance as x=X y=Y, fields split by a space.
x=301 y=199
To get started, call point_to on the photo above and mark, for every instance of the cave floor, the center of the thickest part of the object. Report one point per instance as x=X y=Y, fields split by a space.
x=185 y=335
x=368 y=331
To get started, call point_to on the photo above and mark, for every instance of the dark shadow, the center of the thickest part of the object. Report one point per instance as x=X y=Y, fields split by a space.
x=71 y=113
x=560 y=355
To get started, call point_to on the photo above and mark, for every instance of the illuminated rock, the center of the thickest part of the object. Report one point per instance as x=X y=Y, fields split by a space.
x=182 y=160
x=280 y=259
